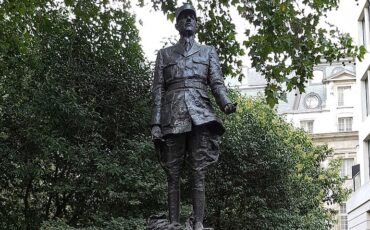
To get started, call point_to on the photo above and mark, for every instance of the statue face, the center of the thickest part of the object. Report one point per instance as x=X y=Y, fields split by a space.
x=186 y=23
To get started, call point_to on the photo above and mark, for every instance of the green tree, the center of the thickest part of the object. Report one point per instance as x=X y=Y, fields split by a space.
x=270 y=176
x=287 y=38
x=74 y=114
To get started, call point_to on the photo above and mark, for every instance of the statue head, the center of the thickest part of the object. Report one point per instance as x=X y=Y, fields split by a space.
x=186 y=20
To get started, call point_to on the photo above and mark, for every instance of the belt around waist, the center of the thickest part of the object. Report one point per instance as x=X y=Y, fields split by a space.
x=187 y=84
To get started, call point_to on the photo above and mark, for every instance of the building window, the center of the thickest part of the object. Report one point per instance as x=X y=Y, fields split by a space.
x=307 y=126
x=343 y=217
x=344 y=93
x=362 y=32
x=367 y=103
x=346 y=170
x=356 y=177
x=345 y=124
x=368 y=154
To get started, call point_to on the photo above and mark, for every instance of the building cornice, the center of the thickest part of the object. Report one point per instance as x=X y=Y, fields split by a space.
x=337 y=136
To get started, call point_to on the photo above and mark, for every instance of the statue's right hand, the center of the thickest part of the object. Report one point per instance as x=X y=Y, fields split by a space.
x=156 y=133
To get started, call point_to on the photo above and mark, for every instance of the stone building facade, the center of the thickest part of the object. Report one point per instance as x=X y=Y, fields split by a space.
x=328 y=110
x=358 y=205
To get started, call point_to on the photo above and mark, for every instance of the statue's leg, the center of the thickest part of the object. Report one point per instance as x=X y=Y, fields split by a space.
x=198 y=153
x=174 y=157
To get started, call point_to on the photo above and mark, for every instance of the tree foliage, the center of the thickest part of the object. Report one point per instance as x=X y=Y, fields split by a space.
x=285 y=44
x=74 y=96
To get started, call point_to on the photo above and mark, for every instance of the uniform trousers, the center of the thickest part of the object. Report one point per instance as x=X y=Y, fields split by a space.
x=198 y=148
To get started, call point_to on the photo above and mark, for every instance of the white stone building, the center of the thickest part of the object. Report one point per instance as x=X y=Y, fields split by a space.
x=358 y=205
x=328 y=110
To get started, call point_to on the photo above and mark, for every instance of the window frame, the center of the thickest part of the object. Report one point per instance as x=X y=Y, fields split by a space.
x=365 y=90
x=345 y=124
x=346 y=168
x=306 y=127
x=343 y=217
x=341 y=95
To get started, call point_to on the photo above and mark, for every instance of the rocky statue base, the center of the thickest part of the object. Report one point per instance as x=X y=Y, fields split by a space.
x=160 y=222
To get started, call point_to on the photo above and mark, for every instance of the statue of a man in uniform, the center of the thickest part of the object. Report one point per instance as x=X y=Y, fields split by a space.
x=182 y=114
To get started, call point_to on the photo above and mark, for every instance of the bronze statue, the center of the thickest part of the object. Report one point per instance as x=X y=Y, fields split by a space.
x=182 y=114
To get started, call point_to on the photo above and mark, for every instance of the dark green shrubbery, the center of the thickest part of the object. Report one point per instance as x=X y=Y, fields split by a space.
x=74 y=134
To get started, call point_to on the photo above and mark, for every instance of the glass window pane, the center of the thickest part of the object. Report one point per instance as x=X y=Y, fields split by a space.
x=343 y=209
x=343 y=217
x=345 y=124
x=367 y=103
x=346 y=169
x=344 y=222
x=344 y=93
x=363 y=33
x=307 y=126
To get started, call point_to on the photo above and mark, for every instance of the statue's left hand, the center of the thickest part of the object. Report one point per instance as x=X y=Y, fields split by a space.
x=230 y=108
x=156 y=133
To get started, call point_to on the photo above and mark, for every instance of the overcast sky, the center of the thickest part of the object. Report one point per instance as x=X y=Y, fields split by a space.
x=155 y=28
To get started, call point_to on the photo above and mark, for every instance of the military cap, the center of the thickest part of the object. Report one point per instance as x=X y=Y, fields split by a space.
x=185 y=7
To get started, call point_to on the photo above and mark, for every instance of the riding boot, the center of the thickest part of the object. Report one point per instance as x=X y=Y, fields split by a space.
x=174 y=198
x=198 y=198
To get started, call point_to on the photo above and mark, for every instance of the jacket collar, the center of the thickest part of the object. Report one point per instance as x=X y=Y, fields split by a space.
x=180 y=49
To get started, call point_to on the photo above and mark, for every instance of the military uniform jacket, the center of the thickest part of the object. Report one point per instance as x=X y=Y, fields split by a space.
x=180 y=88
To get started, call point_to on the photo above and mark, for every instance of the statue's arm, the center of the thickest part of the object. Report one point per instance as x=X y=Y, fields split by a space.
x=217 y=84
x=157 y=94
